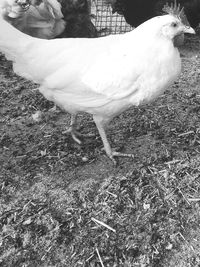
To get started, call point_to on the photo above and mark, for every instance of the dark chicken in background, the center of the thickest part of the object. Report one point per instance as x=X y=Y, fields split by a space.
x=136 y=12
x=78 y=19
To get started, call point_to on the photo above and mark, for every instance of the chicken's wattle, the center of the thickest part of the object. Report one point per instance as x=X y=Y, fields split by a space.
x=178 y=40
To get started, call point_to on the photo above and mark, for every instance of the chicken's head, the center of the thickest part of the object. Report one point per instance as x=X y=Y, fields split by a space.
x=175 y=24
x=14 y=8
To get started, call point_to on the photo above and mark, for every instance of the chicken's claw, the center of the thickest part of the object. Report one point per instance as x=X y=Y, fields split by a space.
x=119 y=154
x=75 y=134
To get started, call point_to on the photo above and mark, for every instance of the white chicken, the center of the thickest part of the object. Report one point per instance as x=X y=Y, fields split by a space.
x=102 y=76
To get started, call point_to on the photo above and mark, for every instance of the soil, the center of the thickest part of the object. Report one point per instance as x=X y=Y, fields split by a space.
x=64 y=204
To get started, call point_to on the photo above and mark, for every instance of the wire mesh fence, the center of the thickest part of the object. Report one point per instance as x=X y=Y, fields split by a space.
x=105 y=21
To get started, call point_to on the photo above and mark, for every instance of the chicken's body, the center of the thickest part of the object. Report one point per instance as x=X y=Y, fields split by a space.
x=102 y=76
x=97 y=84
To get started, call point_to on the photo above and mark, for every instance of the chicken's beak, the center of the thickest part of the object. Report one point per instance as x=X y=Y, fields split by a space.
x=188 y=29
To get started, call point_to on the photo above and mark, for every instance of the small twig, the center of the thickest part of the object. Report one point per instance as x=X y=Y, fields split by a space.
x=114 y=195
x=90 y=257
x=99 y=257
x=186 y=133
x=194 y=199
x=103 y=224
x=172 y=161
x=179 y=233
x=184 y=197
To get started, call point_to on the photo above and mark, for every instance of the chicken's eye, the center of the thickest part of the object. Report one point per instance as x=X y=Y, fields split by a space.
x=174 y=24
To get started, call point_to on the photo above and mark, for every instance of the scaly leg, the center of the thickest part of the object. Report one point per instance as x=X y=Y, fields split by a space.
x=72 y=129
x=111 y=154
x=74 y=133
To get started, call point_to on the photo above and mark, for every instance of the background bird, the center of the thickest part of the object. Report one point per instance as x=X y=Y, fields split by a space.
x=42 y=19
x=48 y=19
x=77 y=15
x=136 y=12
x=101 y=76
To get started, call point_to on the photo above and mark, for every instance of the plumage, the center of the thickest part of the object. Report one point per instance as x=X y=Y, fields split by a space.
x=48 y=19
x=136 y=12
x=10 y=9
x=42 y=19
x=77 y=14
x=101 y=76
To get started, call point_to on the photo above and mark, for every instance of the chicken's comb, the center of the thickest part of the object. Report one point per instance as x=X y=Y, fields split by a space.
x=176 y=10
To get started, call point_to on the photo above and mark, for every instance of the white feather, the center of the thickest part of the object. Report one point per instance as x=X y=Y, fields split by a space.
x=100 y=76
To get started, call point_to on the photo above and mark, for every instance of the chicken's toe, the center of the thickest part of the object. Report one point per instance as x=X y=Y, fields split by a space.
x=74 y=134
x=119 y=154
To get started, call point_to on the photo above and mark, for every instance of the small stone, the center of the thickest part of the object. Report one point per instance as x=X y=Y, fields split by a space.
x=146 y=206
x=84 y=159
x=37 y=116
x=169 y=246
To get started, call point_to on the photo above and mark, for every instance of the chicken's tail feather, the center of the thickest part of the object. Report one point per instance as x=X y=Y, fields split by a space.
x=12 y=41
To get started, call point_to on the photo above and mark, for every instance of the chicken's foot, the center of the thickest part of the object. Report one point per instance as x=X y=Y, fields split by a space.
x=110 y=153
x=74 y=133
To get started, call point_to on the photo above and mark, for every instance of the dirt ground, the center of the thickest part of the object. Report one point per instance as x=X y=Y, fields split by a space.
x=64 y=204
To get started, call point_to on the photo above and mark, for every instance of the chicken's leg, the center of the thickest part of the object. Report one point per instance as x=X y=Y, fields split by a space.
x=74 y=133
x=72 y=129
x=111 y=154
